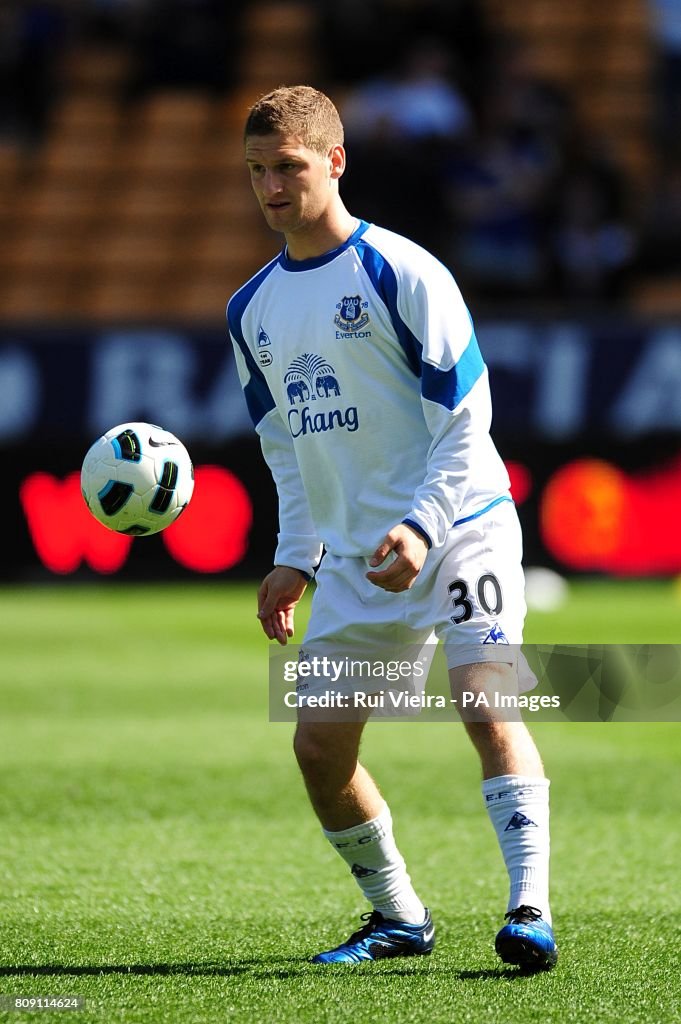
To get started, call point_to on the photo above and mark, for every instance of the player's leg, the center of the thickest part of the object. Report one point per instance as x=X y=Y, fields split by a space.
x=478 y=601
x=341 y=791
x=504 y=747
x=349 y=616
x=357 y=822
x=516 y=795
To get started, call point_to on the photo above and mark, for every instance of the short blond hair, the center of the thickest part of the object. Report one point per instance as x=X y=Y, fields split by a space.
x=297 y=110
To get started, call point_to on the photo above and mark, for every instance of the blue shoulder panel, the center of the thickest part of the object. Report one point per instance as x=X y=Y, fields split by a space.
x=449 y=387
x=258 y=395
x=446 y=387
x=382 y=277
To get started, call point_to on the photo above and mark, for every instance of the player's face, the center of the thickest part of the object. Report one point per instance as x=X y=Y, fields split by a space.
x=293 y=184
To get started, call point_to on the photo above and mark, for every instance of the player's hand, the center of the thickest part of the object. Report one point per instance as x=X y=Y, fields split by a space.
x=279 y=593
x=411 y=550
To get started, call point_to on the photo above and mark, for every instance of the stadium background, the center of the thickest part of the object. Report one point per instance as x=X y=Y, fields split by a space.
x=158 y=856
x=533 y=147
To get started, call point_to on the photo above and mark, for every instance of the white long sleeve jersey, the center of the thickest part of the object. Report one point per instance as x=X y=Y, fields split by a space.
x=364 y=380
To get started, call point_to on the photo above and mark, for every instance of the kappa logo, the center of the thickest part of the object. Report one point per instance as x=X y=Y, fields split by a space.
x=496 y=635
x=520 y=821
x=359 y=872
x=264 y=355
x=310 y=378
x=352 y=317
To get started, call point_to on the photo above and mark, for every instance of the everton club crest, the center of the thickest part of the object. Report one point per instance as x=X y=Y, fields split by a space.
x=351 y=315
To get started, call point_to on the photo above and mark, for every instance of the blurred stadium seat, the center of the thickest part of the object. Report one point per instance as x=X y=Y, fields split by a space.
x=123 y=187
x=602 y=54
x=136 y=208
x=88 y=68
x=659 y=296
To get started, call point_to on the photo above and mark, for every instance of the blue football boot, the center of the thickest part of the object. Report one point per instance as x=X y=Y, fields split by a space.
x=380 y=938
x=527 y=940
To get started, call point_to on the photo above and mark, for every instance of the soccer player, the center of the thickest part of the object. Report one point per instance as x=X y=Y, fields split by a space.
x=364 y=380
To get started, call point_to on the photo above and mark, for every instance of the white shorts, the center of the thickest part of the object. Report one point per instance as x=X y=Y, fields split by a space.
x=470 y=595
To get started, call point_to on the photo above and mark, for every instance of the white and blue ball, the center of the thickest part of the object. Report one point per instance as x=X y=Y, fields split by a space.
x=137 y=479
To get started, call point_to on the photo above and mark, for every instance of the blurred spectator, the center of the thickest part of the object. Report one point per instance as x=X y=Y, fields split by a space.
x=532 y=105
x=186 y=44
x=400 y=187
x=400 y=127
x=110 y=20
x=499 y=189
x=666 y=31
x=593 y=246
x=31 y=39
x=660 y=247
x=414 y=103
x=377 y=36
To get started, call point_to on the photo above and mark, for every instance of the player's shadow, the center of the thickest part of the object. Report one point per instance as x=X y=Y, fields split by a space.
x=276 y=968
x=196 y=970
x=498 y=972
x=512 y=973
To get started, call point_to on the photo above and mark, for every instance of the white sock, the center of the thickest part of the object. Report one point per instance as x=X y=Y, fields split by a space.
x=518 y=807
x=378 y=867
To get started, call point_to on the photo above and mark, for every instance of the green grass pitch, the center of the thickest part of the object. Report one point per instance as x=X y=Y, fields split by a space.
x=159 y=859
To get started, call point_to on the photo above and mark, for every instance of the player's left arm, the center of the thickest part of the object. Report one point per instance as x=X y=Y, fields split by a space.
x=455 y=399
x=457 y=409
x=410 y=549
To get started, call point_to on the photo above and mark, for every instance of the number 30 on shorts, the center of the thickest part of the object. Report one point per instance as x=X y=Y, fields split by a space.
x=488 y=592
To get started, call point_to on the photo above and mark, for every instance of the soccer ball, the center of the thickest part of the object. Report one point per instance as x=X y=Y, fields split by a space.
x=137 y=479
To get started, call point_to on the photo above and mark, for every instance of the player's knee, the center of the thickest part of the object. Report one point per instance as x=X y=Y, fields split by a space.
x=505 y=748
x=312 y=754
x=489 y=732
x=322 y=752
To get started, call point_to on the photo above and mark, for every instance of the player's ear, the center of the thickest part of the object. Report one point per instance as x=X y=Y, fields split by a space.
x=337 y=160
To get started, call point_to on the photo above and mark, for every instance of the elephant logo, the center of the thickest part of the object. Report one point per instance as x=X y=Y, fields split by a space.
x=326 y=384
x=310 y=377
x=297 y=389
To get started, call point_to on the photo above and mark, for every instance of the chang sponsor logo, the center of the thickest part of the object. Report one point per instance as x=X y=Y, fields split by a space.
x=311 y=378
x=304 y=421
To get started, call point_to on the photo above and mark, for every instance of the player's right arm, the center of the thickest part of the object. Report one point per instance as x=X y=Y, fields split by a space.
x=279 y=593
x=298 y=549
x=298 y=545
